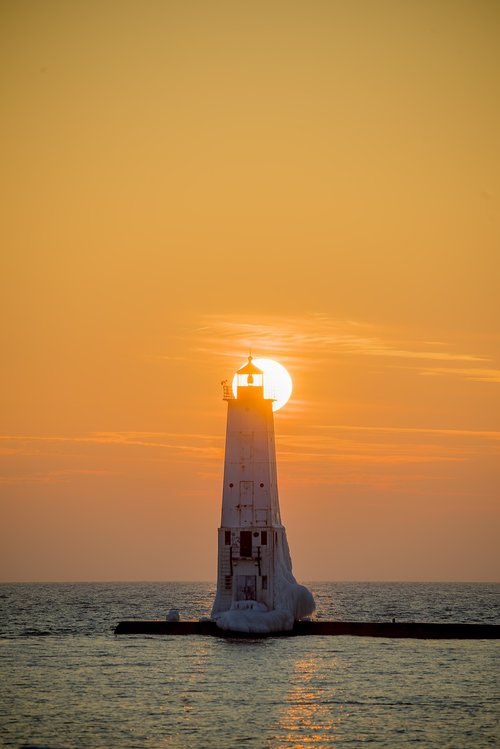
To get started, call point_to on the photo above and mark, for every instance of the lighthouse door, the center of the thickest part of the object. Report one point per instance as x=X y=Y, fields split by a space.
x=246 y=587
x=246 y=503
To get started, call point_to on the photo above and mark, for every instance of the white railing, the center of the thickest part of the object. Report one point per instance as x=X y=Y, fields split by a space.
x=227 y=391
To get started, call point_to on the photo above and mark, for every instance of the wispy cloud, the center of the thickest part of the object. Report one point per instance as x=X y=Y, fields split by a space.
x=56 y=459
x=60 y=476
x=354 y=450
x=475 y=433
x=324 y=449
x=324 y=454
x=193 y=444
x=473 y=374
x=309 y=340
x=170 y=440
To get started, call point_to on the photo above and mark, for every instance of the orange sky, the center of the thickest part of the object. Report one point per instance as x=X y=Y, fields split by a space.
x=183 y=181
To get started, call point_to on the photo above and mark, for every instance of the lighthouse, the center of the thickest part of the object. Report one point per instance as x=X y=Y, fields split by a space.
x=256 y=590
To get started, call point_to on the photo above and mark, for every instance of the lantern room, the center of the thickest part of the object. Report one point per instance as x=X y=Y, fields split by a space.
x=248 y=376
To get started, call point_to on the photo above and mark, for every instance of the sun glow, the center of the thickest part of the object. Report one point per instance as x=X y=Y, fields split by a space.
x=277 y=382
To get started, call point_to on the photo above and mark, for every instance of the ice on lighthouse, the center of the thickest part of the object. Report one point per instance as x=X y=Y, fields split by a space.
x=256 y=589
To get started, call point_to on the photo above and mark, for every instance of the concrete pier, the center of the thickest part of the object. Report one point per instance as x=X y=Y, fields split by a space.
x=419 y=630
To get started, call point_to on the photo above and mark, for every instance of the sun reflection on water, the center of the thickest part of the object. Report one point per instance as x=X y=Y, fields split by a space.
x=306 y=718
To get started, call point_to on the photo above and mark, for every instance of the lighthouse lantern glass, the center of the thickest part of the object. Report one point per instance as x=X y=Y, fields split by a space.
x=251 y=380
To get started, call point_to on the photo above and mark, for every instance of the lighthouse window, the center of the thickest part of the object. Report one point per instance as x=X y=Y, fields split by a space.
x=231 y=486
x=261 y=485
x=245 y=543
x=227 y=538
x=264 y=582
x=263 y=538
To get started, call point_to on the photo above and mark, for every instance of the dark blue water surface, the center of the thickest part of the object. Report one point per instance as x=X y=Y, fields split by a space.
x=67 y=681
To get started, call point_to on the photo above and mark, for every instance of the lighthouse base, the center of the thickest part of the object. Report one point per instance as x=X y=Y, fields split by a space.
x=419 y=630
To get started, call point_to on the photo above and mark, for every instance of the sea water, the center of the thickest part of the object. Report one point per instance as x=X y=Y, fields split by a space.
x=67 y=681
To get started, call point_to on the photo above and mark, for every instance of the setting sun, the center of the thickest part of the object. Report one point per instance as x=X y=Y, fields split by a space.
x=277 y=382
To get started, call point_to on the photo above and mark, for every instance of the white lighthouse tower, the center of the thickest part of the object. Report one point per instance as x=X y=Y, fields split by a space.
x=256 y=590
